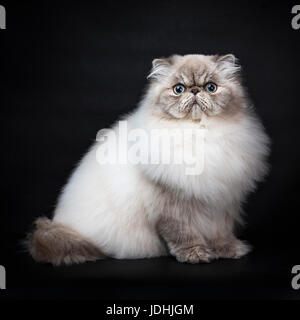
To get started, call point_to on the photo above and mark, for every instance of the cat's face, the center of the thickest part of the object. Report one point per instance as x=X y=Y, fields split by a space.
x=188 y=86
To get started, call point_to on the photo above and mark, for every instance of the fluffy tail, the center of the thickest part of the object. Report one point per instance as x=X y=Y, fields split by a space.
x=58 y=244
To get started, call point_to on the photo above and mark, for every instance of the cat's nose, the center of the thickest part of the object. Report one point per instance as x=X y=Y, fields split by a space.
x=195 y=90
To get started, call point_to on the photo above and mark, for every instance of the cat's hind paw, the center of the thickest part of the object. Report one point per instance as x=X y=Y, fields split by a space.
x=232 y=250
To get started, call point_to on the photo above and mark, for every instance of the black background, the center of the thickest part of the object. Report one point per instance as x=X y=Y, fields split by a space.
x=69 y=69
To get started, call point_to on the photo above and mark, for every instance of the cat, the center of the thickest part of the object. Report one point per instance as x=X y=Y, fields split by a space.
x=130 y=211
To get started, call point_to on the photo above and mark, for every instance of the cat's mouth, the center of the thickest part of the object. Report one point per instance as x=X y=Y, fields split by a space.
x=193 y=103
x=196 y=105
x=194 y=108
x=202 y=104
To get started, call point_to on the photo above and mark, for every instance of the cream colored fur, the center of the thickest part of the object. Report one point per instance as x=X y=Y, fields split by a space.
x=118 y=207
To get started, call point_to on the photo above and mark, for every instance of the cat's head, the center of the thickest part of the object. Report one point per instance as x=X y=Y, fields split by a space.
x=188 y=86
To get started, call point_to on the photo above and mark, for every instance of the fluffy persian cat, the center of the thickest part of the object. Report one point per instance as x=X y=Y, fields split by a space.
x=129 y=211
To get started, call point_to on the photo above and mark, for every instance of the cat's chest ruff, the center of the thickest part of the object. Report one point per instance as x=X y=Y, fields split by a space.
x=213 y=139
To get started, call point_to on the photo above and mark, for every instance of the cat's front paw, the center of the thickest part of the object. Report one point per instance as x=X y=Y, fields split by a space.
x=194 y=254
x=232 y=250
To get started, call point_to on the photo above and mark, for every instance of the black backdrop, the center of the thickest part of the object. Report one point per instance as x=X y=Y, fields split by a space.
x=69 y=69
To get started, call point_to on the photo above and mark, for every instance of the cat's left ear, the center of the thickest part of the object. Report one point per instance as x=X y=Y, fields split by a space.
x=228 y=66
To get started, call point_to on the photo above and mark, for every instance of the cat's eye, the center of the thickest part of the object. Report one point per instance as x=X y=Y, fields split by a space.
x=179 y=89
x=211 y=87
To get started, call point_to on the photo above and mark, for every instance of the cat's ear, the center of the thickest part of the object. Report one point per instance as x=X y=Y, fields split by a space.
x=160 y=68
x=228 y=66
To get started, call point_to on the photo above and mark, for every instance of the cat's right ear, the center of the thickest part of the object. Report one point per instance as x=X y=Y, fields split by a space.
x=160 y=68
x=228 y=66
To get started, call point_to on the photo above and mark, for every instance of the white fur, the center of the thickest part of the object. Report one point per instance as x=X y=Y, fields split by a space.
x=117 y=206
